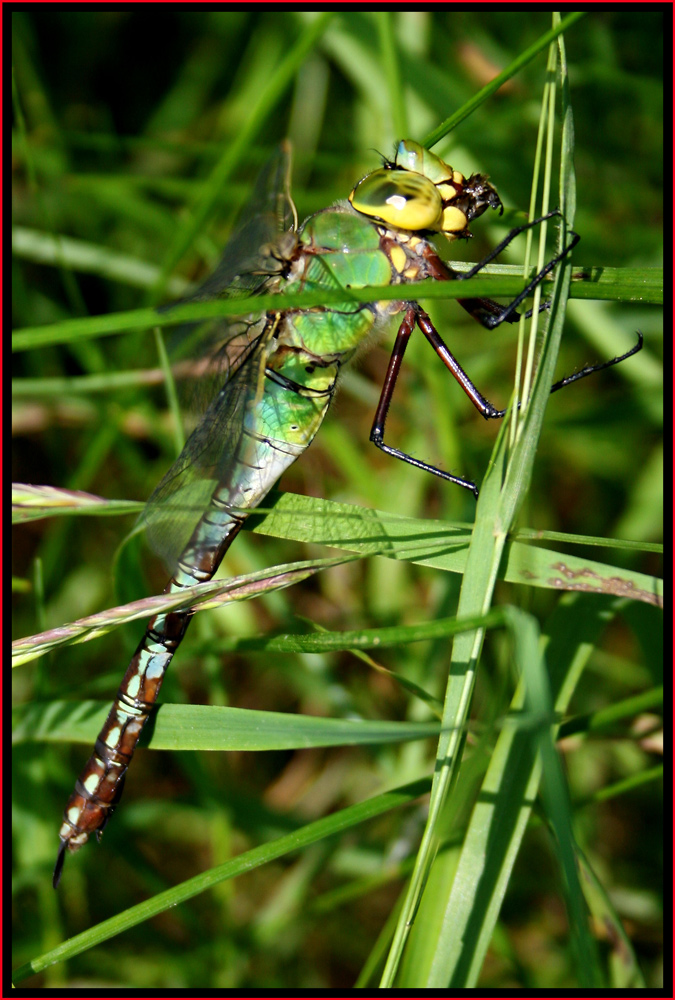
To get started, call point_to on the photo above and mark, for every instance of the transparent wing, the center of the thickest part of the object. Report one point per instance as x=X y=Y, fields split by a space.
x=210 y=453
x=256 y=251
x=225 y=360
x=253 y=262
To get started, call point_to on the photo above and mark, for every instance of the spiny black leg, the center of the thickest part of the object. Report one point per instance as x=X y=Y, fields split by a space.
x=491 y=314
x=590 y=369
x=509 y=238
x=393 y=369
x=538 y=278
x=492 y=319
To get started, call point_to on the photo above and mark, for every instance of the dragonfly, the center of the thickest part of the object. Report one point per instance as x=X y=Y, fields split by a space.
x=269 y=382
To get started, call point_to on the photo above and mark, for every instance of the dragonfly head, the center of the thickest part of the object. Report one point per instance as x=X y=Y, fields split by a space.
x=419 y=192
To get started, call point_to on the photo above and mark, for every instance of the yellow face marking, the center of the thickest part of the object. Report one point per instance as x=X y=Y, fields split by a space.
x=454 y=220
x=447 y=191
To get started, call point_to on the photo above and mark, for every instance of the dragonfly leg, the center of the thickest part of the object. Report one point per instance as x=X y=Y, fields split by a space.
x=591 y=369
x=416 y=315
x=393 y=369
x=483 y=405
x=487 y=312
x=479 y=401
x=490 y=314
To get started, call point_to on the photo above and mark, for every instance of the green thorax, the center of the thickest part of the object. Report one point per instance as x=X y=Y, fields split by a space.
x=340 y=249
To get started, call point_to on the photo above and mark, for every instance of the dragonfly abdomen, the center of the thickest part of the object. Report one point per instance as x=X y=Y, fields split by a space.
x=266 y=448
x=99 y=786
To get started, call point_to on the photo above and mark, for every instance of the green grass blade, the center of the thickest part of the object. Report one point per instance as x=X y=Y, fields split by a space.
x=311 y=833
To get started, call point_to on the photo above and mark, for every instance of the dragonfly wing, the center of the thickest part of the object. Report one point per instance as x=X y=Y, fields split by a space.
x=253 y=262
x=209 y=455
x=257 y=250
x=225 y=358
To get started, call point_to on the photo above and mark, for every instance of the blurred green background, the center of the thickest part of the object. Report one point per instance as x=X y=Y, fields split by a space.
x=119 y=116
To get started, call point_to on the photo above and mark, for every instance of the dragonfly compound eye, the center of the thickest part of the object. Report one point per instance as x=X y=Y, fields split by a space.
x=399 y=198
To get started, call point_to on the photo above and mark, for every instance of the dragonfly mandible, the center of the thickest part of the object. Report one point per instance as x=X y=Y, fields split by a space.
x=273 y=377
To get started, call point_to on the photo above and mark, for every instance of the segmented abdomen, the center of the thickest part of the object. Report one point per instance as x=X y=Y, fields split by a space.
x=99 y=786
x=267 y=447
